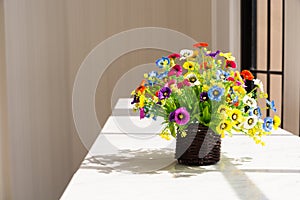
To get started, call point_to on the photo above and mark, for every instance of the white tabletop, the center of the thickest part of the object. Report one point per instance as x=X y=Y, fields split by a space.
x=130 y=161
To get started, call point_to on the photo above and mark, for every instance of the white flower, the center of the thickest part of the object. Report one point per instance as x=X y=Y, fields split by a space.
x=259 y=84
x=250 y=122
x=186 y=53
x=192 y=78
x=249 y=101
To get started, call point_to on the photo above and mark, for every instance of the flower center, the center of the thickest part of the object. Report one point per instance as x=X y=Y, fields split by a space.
x=193 y=79
x=250 y=121
x=255 y=111
x=190 y=66
x=249 y=101
x=234 y=116
x=180 y=116
x=165 y=94
x=223 y=126
x=216 y=93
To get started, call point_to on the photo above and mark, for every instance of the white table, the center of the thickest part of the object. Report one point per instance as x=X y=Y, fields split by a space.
x=133 y=163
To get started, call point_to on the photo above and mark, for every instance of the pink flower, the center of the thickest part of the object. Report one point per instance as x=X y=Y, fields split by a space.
x=185 y=82
x=175 y=70
x=170 y=82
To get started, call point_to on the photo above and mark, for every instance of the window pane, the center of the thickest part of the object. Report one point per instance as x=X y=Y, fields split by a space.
x=276 y=35
x=262 y=25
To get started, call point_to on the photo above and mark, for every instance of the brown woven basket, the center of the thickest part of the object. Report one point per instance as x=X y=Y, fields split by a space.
x=201 y=146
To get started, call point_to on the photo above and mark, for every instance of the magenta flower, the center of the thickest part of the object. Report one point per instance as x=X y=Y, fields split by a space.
x=175 y=70
x=164 y=93
x=142 y=113
x=182 y=116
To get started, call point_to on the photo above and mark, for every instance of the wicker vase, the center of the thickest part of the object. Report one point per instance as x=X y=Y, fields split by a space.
x=201 y=146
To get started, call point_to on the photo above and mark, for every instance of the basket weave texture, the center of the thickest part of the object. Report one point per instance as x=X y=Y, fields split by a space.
x=201 y=146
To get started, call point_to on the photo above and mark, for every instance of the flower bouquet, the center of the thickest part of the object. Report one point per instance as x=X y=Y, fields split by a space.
x=201 y=98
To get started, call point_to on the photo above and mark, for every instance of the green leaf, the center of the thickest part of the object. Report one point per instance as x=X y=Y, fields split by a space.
x=206 y=115
x=172 y=129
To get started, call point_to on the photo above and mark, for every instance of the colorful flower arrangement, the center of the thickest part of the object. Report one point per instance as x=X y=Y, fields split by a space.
x=200 y=86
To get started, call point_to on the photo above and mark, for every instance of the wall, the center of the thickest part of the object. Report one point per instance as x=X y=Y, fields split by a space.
x=4 y=161
x=93 y=21
x=46 y=41
x=42 y=158
x=292 y=69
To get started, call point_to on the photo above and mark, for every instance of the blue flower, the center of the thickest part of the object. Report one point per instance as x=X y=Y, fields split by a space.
x=222 y=75
x=162 y=75
x=255 y=112
x=152 y=76
x=163 y=62
x=215 y=93
x=268 y=124
x=271 y=105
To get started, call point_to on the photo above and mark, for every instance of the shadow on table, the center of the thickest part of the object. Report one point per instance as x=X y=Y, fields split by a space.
x=154 y=161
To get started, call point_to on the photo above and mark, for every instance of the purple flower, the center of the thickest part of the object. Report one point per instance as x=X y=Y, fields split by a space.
x=136 y=99
x=213 y=54
x=175 y=70
x=203 y=96
x=172 y=116
x=164 y=93
x=182 y=116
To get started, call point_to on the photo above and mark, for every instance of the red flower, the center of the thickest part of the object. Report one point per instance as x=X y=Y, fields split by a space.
x=230 y=79
x=236 y=104
x=230 y=63
x=174 y=55
x=247 y=75
x=156 y=93
x=201 y=44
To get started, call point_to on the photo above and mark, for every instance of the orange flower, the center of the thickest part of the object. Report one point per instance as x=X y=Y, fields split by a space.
x=201 y=44
x=141 y=88
x=247 y=75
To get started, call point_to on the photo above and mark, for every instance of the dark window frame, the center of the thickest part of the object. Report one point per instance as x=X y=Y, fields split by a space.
x=249 y=45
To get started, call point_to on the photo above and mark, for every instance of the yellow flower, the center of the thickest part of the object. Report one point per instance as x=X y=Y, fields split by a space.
x=142 y=101
x=276 y=122
x=205 y=88
x=219 y=62
x=133 y=92
x=237 y=76
x=235 y=115
x=172 y=62
x=227 y=56
x=239 y=89
x=223 y=110
x=189 y=65
x=263 y=95
x=165 y=135
x=223 y=126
